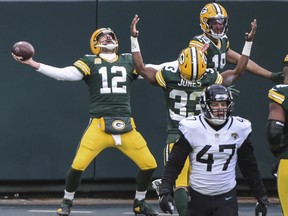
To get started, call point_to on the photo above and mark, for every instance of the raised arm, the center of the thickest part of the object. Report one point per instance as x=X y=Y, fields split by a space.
x=252 y=67
x=230 y=76
x=147 y=73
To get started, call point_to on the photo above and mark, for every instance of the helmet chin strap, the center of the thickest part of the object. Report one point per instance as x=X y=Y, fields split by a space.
x=216 y=121
x=108 y=46
x=217 y=36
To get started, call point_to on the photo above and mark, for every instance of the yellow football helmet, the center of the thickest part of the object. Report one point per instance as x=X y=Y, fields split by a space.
x=95 y=44
x=213 y=11
x=286 y=60
x=192 y=63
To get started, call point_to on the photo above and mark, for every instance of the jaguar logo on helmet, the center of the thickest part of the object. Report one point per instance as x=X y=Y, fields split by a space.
x=118 y=124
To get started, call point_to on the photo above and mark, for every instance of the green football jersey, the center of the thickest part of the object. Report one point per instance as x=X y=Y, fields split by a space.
x=279 y=95
x=182 y=96
x=216 y=54
x=109 y=84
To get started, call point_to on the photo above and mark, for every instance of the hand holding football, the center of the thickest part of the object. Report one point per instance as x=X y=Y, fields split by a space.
x=23 y=49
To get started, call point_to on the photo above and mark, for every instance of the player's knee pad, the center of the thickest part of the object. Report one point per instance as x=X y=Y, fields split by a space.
x=274 y=134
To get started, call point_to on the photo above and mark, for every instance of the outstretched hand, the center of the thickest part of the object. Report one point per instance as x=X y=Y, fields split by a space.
x=250 y=36
x=29 y=61
x=19 y=59
x=133 y=30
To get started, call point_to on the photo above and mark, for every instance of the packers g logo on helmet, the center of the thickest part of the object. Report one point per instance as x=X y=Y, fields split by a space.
x=192 y=63
x=217 y=12
x=95 y=44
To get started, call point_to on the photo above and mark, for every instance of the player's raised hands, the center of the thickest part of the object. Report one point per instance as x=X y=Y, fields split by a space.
x=133 y=30
x=250 y=36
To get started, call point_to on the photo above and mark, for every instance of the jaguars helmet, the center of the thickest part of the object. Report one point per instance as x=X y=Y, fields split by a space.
x=95 y=44
x=213 y=11
x=192 y=63
x=215 y=93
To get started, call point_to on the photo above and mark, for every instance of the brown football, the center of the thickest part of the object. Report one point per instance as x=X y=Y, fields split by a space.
x=23 y=49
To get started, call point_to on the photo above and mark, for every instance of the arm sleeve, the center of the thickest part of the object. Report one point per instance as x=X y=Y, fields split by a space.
x=69 y=73
x=174 y=165
x=249 y=169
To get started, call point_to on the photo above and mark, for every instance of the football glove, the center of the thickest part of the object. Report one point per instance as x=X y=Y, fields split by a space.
x=277 y=77
x=166 y=203
x=261 y=206
x=235 y=92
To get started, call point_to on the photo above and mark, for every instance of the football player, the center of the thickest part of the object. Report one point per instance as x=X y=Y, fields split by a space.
x=109 y=76
x=214 y=24
x=215 y=142
x=182 y=84
x=277 y=134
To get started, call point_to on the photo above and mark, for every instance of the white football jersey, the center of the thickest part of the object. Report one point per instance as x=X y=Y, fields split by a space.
x=214 y=155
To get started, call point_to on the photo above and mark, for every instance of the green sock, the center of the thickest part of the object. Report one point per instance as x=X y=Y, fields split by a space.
x=73 y=179
x=181 y=200
x=143 y=179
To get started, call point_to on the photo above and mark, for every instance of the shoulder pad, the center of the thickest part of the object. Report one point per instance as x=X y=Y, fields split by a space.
x=199 y=39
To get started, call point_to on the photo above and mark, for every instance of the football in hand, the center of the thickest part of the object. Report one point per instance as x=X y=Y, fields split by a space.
x=23 y=49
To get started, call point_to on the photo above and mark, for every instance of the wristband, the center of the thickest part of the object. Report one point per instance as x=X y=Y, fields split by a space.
x=134 y=44
x=247 y=48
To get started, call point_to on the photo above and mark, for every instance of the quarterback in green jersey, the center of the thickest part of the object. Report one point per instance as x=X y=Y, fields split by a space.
x=277 y=134
x=108 y=76
x=182 y=82
x=214 y=24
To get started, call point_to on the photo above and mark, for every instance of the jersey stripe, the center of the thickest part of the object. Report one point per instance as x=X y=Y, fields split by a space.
x=196 y=44
x=273 y=95
x=219 y=79
x=84 y=67
x=160 y=79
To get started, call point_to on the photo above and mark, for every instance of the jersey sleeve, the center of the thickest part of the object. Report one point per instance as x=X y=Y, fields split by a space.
x=242 y=126
x=278 y=94
x=189 y=126
x=210 y=77
x=160 y=79
x=199 y=41
x=164 y=75
x=83 y=64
